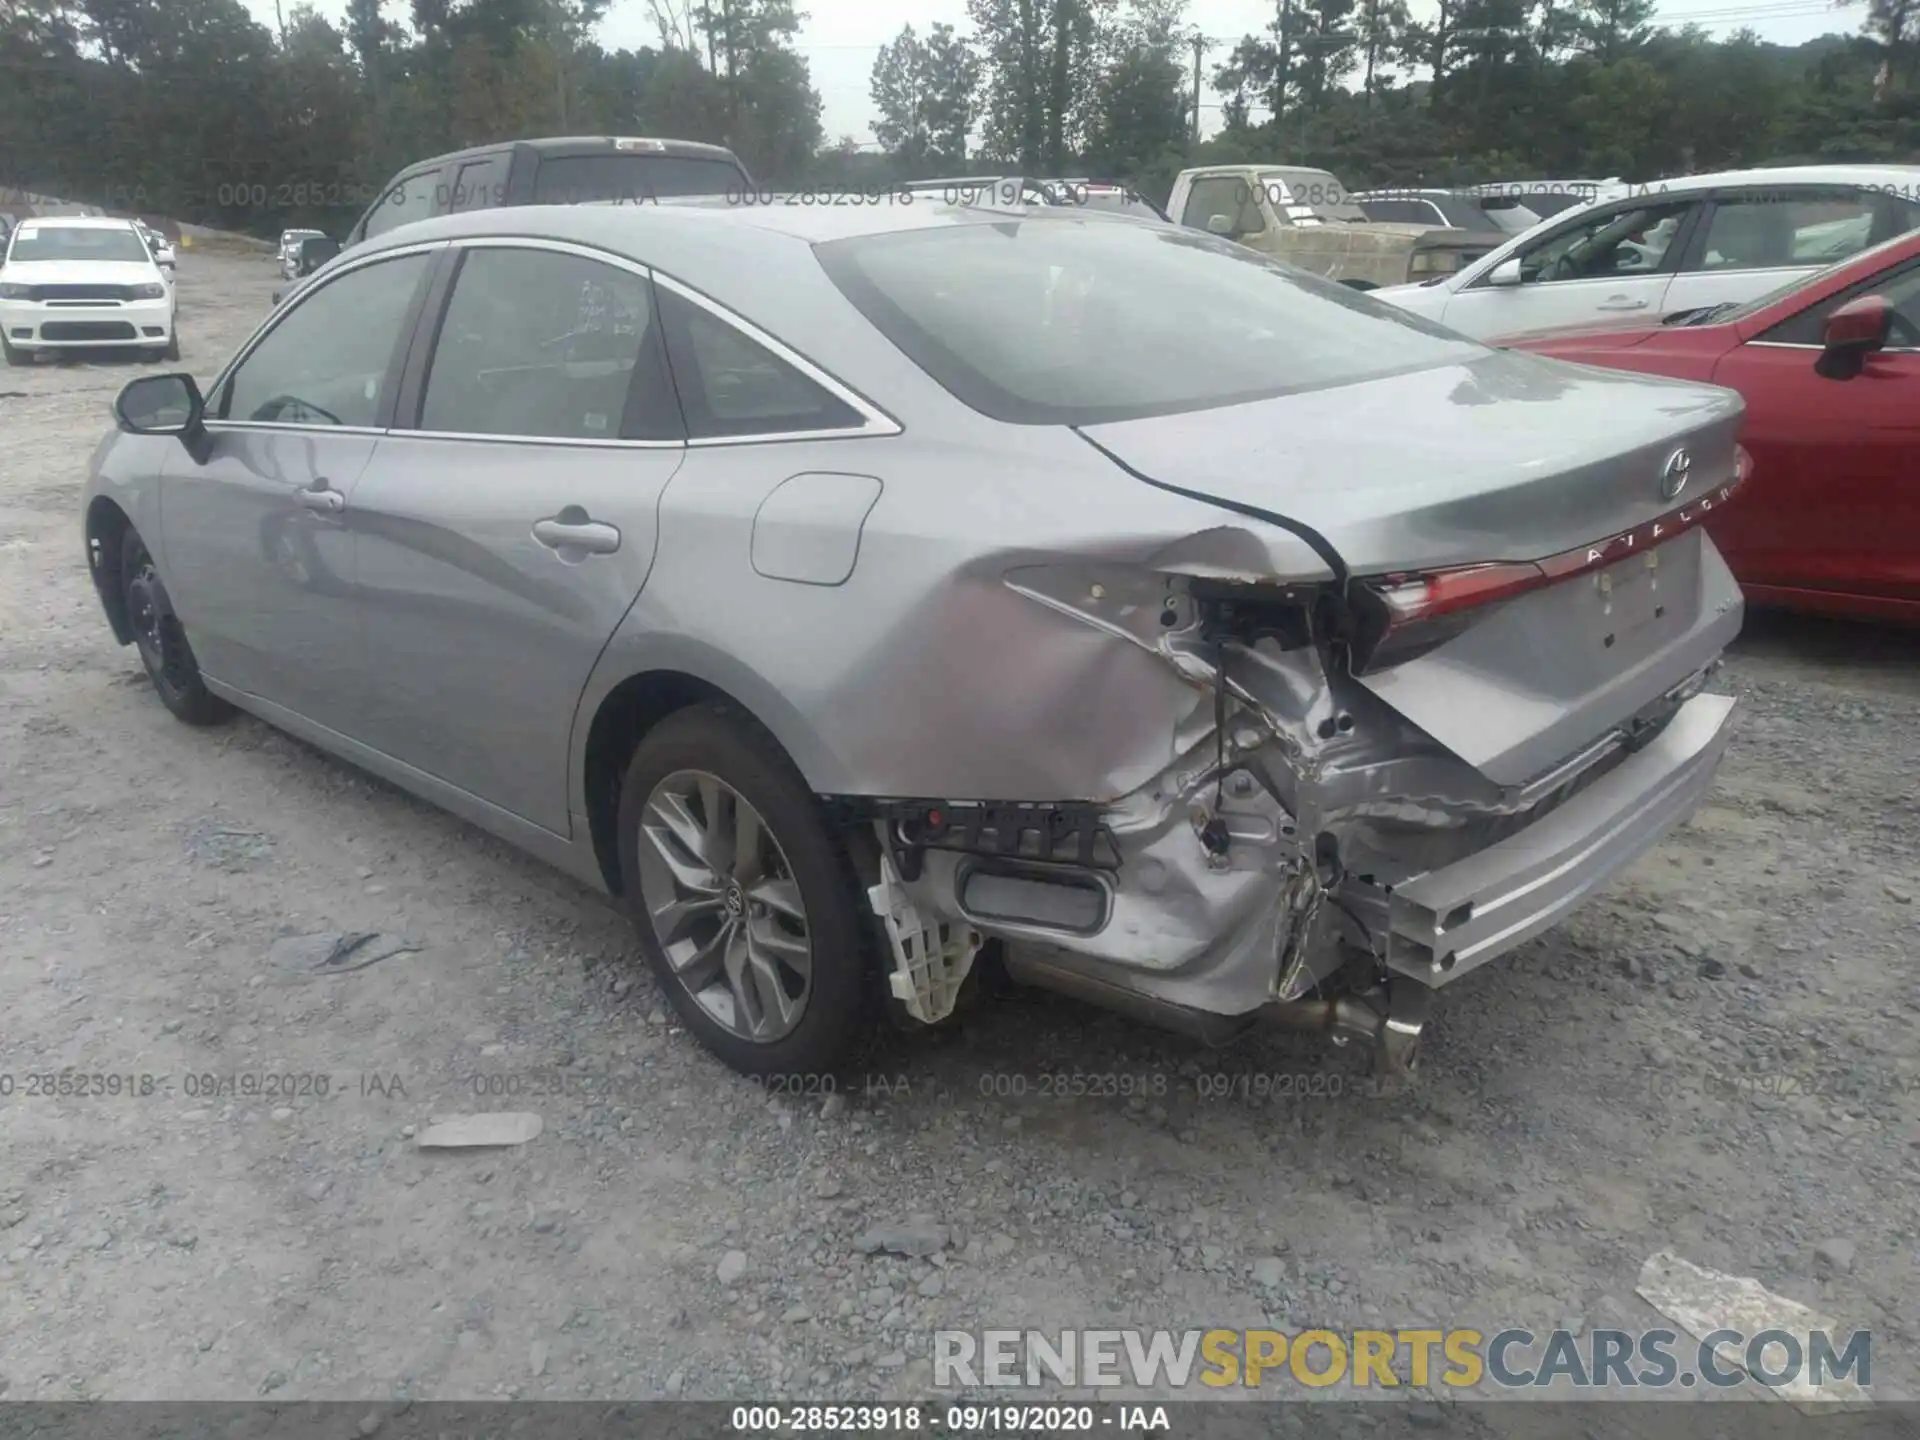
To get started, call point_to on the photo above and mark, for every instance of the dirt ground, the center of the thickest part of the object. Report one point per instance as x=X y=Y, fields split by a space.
x=1717 y=1057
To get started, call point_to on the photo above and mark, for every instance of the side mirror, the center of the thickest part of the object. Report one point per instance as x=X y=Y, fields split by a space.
x=1507 y=272
x=163 y=405
x=1221 y=225
x=315 y=252
x=1853 y=332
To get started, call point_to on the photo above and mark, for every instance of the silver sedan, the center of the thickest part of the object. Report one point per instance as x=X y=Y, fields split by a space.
x=870 y=596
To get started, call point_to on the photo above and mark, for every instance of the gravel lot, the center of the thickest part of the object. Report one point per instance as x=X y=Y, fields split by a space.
x=1717 y=1058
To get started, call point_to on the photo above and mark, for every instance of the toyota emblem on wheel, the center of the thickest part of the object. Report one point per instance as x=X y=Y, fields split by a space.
x=1673 y=478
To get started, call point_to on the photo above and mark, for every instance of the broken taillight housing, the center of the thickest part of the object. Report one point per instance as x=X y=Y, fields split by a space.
x=1424 y=609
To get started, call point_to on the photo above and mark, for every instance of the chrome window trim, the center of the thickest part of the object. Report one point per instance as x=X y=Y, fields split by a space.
x=1796 y=345
x=877 y=421
x=571 y=442
x=223 y=426
x=279 y=317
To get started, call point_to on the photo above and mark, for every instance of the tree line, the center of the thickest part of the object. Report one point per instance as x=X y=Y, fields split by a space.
x=194 y=110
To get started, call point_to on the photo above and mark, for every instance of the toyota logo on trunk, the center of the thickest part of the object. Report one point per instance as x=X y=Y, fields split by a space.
x=1673 y=478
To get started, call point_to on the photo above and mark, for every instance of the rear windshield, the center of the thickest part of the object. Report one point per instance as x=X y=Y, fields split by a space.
x=1075 y=320
x=76 y=242
x=578 y=179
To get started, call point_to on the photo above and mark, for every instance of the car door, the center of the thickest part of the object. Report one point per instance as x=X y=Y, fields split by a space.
x=1603 y=264
x=255 y=554
x=1834 y=503
x=510 y=520
x=1753 y=240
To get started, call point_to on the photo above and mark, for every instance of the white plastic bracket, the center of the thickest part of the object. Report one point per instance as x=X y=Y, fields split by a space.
x=931 y=960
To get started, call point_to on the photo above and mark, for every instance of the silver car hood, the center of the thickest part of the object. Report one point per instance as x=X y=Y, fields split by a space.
x=1502 y=457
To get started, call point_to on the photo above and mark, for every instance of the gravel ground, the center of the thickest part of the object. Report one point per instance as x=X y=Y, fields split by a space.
x=1717 y=1058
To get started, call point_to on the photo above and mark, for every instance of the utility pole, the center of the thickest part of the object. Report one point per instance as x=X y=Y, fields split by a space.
x=1199 y=47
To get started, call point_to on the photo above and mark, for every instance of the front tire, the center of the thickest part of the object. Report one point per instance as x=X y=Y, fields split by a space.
x=742 y=895
x=172 y=351
x=15 y=357
x=162 y=640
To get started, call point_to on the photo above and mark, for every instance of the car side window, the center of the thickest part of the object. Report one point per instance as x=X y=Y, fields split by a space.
x=410 y=199
x=475 y=187
x=1778 y=230
x=731 y=385
x=548 y=345
x=1230 y=195
x=1621 y=241
x=328 y=359
x=1901 y=290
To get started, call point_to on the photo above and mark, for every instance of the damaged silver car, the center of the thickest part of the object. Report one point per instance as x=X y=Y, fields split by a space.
x=851 y=590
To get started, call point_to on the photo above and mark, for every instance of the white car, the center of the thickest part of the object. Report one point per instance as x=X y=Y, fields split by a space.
x=163 y=255
x=1667 y=246
x=290 y=242
x=70 y=282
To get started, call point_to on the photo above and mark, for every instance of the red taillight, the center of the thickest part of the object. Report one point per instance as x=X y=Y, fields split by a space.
x=1444 y=592
x=1414 y=599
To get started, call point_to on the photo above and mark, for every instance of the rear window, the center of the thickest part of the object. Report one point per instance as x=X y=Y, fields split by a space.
x=1041 y=321
x=579 y=179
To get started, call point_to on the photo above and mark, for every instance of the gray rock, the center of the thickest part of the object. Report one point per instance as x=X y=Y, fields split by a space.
x=1712 y=969
x=833 y=1106
x=913 y=1238
x=931 y=1287
x=275 y=1379
x=796 y=1315
x=1268 y=1272
x=369 y=1424
x=537 y=1357
x=1899 y=894
x=892 y=1360
x=732 y=1266
x=1835 y=1257
x=676 y=1382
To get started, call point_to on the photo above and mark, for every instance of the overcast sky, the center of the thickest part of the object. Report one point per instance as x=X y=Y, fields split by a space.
x=841 y=38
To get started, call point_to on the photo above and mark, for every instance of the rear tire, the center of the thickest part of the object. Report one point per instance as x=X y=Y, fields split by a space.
x=162 y=640
x=769 y=943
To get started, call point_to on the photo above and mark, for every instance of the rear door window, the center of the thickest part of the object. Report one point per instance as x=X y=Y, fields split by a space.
x=1775 y=230
x=544 y=344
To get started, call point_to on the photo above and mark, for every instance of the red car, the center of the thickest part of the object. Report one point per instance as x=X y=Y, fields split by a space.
x=1830 y=369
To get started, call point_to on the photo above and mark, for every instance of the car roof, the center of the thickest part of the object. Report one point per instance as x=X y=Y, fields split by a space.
x=585 y=145
x=1885 y=175
x=755 y=257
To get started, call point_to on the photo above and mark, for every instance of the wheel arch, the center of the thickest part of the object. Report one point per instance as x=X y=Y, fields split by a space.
x=626 y=710
x=107 y=528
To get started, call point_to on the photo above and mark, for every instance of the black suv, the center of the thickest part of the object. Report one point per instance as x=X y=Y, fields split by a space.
x=561 y=170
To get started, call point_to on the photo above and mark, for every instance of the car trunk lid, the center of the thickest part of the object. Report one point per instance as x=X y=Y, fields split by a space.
x=1500 y=460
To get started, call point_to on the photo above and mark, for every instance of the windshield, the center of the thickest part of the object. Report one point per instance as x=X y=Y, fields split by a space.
x=76 y=242
x=1298 y=194
x=578 y=179
x=1039 y=322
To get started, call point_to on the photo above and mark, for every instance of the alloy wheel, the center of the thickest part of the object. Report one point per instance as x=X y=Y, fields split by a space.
x=724 y=906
